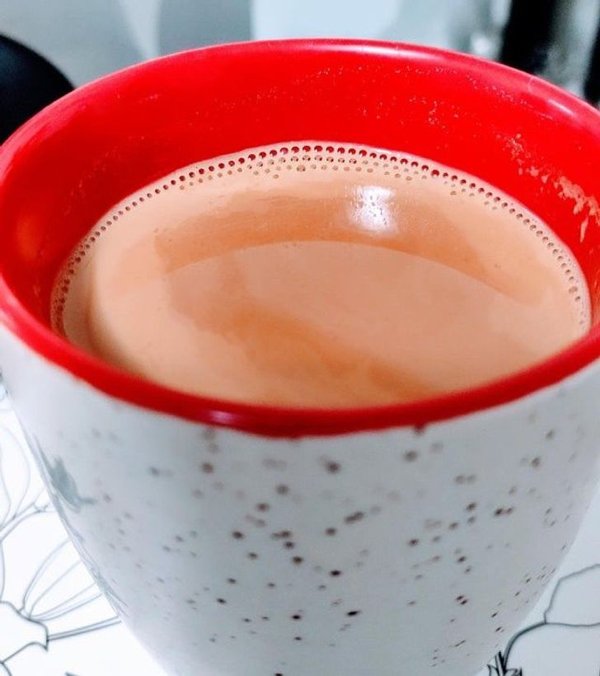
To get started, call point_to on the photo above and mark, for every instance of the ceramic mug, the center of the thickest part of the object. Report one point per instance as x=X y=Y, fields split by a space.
x=245 y=540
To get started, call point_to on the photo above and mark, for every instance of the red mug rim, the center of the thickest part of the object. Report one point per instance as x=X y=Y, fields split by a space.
x=274 y=421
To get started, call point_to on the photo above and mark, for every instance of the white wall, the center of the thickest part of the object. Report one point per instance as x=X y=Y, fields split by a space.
x=86 y=38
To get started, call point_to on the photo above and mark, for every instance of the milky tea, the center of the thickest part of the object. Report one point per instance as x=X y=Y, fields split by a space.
x=320 y=275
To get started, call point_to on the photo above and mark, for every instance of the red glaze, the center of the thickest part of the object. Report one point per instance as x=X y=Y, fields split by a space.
x=68 y=165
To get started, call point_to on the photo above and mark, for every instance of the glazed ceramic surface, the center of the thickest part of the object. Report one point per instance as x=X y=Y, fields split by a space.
x=399 y=551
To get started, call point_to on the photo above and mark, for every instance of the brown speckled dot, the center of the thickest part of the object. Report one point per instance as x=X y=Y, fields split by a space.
x=331 y=466
x=464 y=479
x=353 y=518
x=413 y=543
x=237 y=535
x=335 y=573
x=262 y=507
x=297 y=560
x=411 y=456
x=207 y=467
x=221 y=601
x=330 y=531
x=536 y=462
x=282 y=489
x=252 y=556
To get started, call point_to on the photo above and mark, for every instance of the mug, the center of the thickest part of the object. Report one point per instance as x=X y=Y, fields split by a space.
x=250 y=540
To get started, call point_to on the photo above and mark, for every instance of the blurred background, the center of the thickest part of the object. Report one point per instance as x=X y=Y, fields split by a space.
x=557 y=39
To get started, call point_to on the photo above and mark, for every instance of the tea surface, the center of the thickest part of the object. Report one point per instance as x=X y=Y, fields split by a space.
x=320 y=275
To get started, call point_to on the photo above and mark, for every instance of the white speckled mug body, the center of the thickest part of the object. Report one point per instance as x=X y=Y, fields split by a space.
x=402 y=551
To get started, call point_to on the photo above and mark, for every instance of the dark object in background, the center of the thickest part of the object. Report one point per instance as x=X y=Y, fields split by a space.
x=28 y=83
x=592 y=82
x=528 y=34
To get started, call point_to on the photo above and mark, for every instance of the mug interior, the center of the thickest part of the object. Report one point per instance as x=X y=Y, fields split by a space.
x=72 y=162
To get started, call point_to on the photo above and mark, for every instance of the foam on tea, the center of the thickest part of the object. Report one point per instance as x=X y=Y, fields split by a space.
x=320 y=275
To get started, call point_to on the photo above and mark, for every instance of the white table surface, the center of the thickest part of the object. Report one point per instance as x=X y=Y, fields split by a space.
x=54 y=622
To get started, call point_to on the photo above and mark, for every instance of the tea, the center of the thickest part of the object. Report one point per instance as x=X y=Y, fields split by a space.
x=321 y=275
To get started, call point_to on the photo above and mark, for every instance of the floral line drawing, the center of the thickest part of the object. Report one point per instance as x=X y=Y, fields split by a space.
x=47 y=595
x=574 y=605
x=500 y=668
